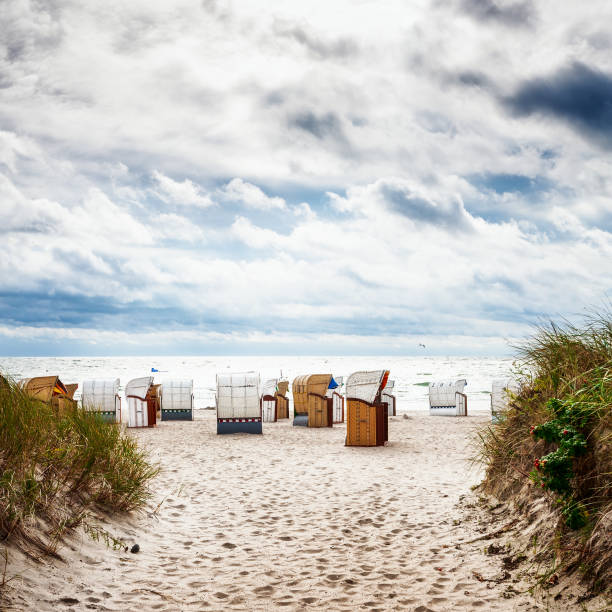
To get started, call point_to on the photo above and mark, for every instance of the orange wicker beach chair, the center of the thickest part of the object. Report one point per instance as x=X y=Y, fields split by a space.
x=366 y=412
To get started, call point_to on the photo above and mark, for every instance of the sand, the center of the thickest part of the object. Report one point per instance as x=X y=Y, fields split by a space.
x=290 y=520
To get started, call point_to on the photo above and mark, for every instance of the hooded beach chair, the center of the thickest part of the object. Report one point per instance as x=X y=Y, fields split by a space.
x=142 y=402
x=269 y=401
x=446 y=398
x=71 y=390
x=102 y=396
x=238 y=403
x=176 y=400
x=282 y=401
x=501 y=394
x=337 y=396
x=389 y=398
x=313 y=407
x=49 y=390
x=366 y=414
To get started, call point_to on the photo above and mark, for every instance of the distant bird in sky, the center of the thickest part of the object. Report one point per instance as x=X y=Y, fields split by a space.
x=421 y=344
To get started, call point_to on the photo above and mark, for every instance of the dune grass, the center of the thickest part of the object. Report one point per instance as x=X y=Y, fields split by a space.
x=54 y=469
x=556 y=441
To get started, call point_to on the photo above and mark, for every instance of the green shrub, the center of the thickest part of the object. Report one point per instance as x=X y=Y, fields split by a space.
x=557 y=433
x=58 y=467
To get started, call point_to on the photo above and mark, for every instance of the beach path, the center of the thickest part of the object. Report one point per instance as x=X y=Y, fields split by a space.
x=289 y=520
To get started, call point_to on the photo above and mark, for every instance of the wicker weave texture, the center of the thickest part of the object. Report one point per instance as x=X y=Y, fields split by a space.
x=360 y=423
x=40 y=387
x=282 y=407
x=306 y=385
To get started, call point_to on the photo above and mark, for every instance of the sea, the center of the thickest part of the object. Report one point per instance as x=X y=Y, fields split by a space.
x=411 y=374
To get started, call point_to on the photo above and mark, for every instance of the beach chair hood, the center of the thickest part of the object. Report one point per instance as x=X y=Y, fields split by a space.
x=366 y=385
x=270 y=387
x=43 y=388
x=139 y=387
x=176 y=394
x=100 y=394
x=238 y=395
x=442 y=393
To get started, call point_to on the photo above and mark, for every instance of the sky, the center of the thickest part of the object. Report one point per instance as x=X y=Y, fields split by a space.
x=282 y=177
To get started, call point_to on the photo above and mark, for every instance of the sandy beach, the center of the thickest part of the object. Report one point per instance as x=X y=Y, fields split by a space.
x=290 y=520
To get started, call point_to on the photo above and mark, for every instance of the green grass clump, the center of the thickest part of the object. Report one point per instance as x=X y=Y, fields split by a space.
x=54 y=468
x=560 y=423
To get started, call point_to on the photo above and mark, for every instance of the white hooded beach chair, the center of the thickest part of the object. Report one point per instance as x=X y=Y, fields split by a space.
x=337 y=395
x=142 y=402
x=502 y=391
x=176 y=398
x=238 y=403
x=446 y=398
x=387 y=396
x=102 y=396
x=269 y=401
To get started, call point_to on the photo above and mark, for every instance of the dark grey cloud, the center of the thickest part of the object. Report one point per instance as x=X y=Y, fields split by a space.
x=316 y=45
x=53 y=308
x=463 y=78
x=601 y=40
x=5 y=80
x=401 y=199
x=217 y=8
x=32 y=29
x=473 y=78
x=327 y=125
x=507 y=13
x=49 y=308
x=578 y=94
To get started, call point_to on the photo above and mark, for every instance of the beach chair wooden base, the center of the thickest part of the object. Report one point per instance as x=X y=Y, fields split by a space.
x=269 y=407
x=231 y=426
x=107 y=416
x=177 y=415
x=366 y=424
x=282 y=407
x=300 y=420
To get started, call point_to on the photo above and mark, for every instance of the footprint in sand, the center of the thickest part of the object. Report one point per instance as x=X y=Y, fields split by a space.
x=264 y=590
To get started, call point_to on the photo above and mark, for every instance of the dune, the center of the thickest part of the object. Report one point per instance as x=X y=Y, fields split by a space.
x=291 y=520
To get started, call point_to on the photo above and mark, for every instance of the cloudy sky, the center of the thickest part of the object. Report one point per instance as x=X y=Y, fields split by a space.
x=321 y=177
